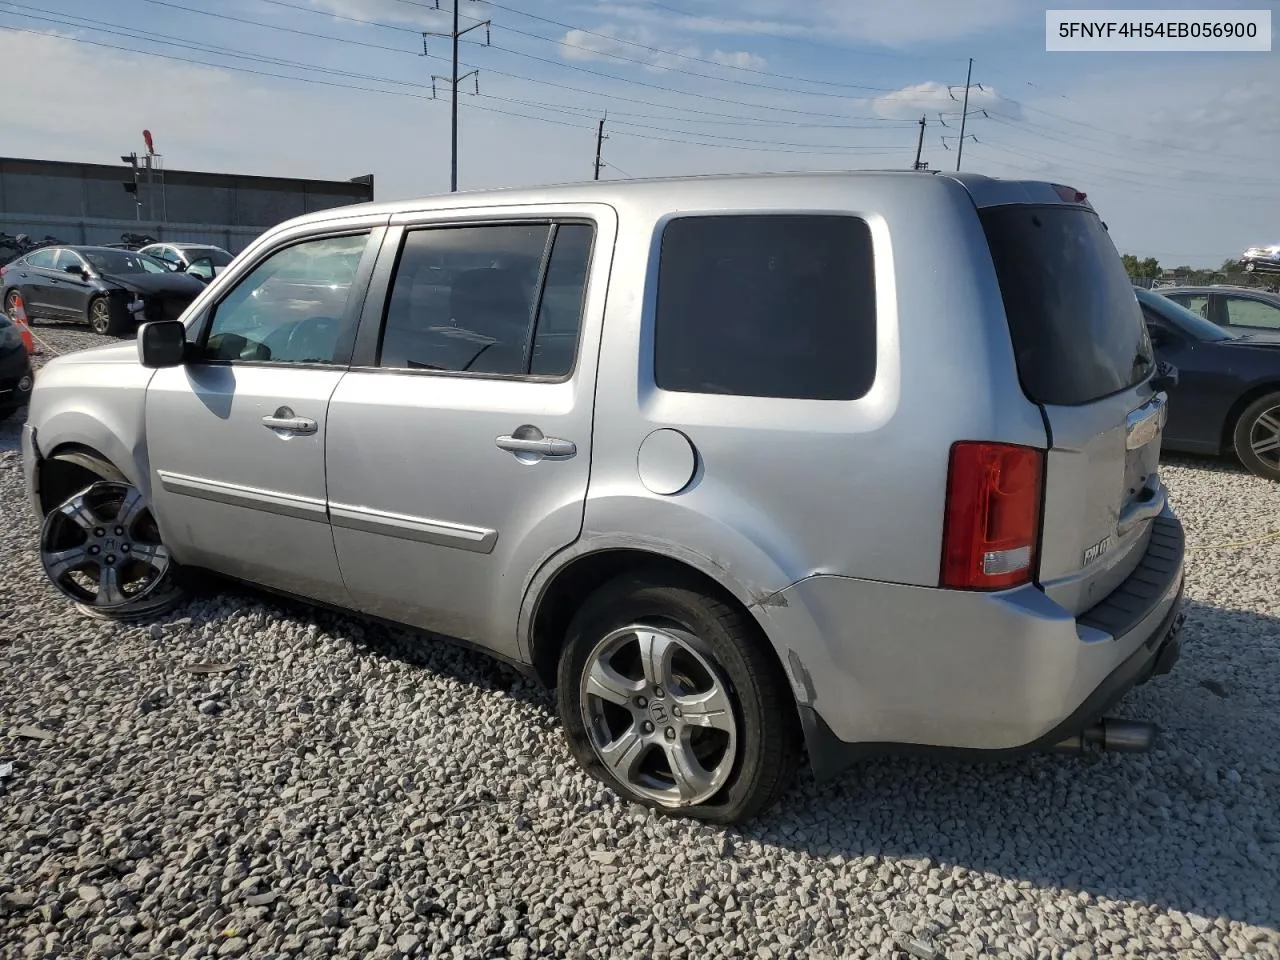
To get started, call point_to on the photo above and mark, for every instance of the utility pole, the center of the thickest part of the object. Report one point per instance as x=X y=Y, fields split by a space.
x=964 y=112
x=453 y=80
x=600 y=139
x=132 y=186
x=919 y=146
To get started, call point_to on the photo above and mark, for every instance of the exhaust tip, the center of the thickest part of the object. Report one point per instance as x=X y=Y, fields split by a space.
x=1114 y=735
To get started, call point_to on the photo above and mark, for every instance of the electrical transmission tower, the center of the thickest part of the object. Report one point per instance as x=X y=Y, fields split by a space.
x=453 y=80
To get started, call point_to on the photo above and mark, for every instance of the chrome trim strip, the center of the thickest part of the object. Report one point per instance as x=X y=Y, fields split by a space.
x=1143 y=424
x=251 y=498
x=421 y=529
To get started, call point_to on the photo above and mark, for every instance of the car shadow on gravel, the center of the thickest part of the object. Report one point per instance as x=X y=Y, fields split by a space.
x=1193 y=826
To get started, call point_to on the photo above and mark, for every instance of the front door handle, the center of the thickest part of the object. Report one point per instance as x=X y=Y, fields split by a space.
x=284 y=419
x=539 y=446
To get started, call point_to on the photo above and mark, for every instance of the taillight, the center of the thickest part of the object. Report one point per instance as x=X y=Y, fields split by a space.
x=1071 y=194
x=992 y=523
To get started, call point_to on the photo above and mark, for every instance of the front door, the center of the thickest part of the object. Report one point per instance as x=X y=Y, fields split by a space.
x=460 y=446
x=236 y=436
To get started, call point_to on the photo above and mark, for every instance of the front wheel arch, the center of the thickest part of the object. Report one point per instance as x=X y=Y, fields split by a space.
x=72 y=467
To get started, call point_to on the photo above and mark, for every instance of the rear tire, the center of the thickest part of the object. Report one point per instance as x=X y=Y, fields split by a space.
x=11 y=305
x=107 y=318
x=1256 y=437
x=736 y=742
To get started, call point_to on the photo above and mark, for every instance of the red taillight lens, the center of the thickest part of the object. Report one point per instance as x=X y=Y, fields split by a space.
x=992 y=524
x=1070 y=194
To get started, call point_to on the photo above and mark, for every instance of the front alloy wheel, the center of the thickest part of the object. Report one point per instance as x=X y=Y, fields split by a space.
x=1257 y=437
x=100 y=316
x=101 y=548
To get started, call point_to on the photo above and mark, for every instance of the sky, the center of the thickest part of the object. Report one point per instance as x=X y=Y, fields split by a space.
x=1177 y=151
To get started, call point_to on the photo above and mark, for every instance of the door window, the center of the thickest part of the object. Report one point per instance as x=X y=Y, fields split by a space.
x=501 y=300
x=1198 y=304
x=42 y=259
x=292 y=307
x=1242 y=312
x=68 y=258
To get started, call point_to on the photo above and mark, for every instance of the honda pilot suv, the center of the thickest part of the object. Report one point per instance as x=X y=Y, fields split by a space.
x=720 y=459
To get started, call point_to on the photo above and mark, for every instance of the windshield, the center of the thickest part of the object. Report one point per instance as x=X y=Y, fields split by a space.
x=1185 y=320
x=217 y=256
x=122 y=262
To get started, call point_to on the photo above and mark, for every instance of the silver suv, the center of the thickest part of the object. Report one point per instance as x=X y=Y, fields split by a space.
x=739 y=465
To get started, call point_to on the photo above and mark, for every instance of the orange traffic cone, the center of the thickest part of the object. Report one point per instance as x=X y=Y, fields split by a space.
x=20 y=318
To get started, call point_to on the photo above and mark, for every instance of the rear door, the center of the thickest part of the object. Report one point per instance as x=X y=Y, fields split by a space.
x=1084 y=356
x=460 y=441
x=35 y=280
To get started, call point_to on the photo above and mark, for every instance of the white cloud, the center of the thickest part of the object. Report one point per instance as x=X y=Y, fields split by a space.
x=639 y=44
x=932 y=98
x=900 y=23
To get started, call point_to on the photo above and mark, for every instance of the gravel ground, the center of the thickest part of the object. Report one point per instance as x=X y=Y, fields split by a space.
x=345 y=791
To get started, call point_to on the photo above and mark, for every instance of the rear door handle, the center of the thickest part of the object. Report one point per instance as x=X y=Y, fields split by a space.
x=302 y=425
x=542 y=446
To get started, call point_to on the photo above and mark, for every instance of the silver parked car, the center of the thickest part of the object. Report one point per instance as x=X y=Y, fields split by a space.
x=719 y=458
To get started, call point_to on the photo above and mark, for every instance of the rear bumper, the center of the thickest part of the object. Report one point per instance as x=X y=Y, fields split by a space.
x=889 y=668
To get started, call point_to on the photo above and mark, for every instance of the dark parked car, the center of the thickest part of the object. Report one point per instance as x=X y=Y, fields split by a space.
x=1234 y=307
x=1264 y=259
x=1228 y=393
x=112 y=289
x=15 y=369
x=202 y=260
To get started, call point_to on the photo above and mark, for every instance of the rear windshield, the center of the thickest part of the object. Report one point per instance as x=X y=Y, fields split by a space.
x=1077 y=330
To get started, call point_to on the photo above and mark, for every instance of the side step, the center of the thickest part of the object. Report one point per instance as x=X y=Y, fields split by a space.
x=1110 y=733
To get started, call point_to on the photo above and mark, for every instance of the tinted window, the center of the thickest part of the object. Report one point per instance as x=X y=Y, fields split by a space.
x=464 y=298
x=288 y=309
x=1252 y=313
x=216 y=255
x=120 y=262
x=1076 y=327
x=1180 y=317
x=67 y=258
x=42 y=258
x=555 y=337
x=766 y=306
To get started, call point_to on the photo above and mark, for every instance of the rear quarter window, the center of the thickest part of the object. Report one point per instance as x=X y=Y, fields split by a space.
x=773 y=305
x=1077 y=330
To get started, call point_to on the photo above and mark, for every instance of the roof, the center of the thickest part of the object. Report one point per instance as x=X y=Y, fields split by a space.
x=674 y=190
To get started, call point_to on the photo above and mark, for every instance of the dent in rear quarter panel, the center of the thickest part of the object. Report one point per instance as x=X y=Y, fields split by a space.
x=98 y=404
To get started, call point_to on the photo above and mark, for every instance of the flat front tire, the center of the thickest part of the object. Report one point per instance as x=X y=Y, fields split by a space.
x=1257 y=437
x=671 y=697
x=101 y=549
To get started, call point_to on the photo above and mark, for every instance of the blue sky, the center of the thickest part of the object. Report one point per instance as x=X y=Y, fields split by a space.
x=1178 y=151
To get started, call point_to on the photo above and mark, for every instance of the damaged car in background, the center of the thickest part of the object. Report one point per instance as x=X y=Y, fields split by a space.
x=113 y=290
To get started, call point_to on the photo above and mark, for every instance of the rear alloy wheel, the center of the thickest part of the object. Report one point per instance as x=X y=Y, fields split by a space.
x=1257 y=437
x=672 y=698
x=101 y=548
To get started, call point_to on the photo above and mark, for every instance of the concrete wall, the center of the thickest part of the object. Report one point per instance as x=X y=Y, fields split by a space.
x=87 y=203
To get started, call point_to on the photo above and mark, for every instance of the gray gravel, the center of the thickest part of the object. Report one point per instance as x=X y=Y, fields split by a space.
x=251 y=778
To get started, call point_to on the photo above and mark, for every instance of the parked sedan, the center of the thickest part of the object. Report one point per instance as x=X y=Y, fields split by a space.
x=1228 y=393
x=15 y=369
x=111 y=289
x=201 y=260
x=1242 y=308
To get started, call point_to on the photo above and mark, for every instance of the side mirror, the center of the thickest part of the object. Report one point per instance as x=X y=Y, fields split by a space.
x=1160 y=337
x=162 y=343
x=1166 y=376
x=74 y=268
